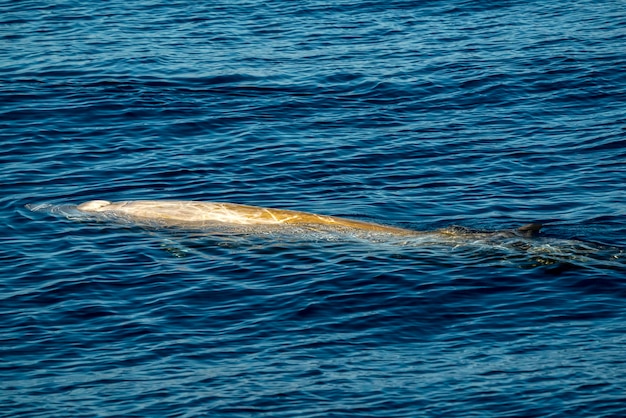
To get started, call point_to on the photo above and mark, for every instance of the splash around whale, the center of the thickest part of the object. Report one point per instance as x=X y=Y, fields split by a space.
x=201 y=215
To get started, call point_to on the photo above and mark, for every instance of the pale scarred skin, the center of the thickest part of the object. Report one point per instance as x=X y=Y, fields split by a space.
x=194 y=213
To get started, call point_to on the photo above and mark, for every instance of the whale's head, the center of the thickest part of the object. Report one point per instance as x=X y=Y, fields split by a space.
x=94 y=206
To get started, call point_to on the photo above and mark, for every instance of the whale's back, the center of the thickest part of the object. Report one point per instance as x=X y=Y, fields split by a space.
x=199 y=214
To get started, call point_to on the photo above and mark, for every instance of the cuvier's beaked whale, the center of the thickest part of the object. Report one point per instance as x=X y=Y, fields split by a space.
x=196 y=214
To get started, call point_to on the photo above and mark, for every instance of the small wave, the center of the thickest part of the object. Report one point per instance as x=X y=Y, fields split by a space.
x=65 y=210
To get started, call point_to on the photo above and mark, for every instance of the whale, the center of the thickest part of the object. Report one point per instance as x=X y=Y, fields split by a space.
x=193 y=214
x=223 y=220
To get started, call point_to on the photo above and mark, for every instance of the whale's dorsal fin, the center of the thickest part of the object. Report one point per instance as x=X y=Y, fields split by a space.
x=529 y=230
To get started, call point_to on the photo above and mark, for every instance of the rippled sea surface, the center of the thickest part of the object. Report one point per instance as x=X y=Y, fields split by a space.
x=422 y=115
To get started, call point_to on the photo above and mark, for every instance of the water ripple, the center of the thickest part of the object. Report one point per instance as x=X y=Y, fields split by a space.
x=481 y=115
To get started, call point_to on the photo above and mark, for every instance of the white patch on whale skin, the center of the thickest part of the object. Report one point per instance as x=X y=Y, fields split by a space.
x=93 y=205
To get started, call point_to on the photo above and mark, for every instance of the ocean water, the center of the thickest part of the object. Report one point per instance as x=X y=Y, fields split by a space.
x=422 y=115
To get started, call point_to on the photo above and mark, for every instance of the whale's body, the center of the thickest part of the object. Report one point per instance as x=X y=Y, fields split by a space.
x=198 y=215
x=221 y=219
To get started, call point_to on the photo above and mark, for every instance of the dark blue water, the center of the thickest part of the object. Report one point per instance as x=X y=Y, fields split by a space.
x=422 y=115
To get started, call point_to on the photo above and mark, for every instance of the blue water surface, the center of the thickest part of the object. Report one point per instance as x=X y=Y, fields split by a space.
x=422 y=115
